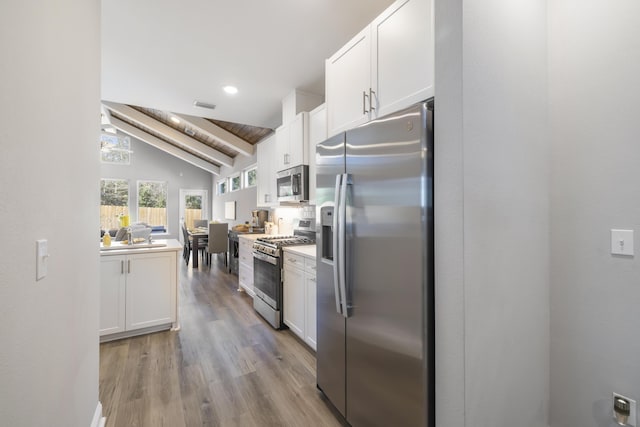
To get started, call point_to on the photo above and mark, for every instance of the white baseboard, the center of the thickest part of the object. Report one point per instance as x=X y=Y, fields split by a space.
x=98 y=419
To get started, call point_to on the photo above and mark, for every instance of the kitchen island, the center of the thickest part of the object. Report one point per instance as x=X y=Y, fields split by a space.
x=138 y=288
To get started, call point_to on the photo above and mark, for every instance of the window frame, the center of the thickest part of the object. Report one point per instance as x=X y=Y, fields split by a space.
x=127 y=207
x=219 y=184
x=230 y=180
x=245 y=173
x=166 y=198
x=124 y=143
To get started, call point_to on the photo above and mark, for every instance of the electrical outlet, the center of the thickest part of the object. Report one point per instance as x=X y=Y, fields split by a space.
x=631 y=420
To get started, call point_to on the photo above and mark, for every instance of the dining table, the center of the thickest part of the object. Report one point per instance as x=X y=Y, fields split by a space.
x=197 y=235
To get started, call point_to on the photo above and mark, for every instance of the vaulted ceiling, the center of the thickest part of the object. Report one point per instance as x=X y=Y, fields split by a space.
x=160 y=57
x=205 y=143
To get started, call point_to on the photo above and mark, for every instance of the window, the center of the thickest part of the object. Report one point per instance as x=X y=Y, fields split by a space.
x=193 y=206
x=114 y=201
x=152 y=203
x=250 y=176
x=235 y=182
x=222 y=187
x=115 y=149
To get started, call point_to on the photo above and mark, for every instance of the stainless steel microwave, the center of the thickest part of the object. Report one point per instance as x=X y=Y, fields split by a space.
x=293 y=184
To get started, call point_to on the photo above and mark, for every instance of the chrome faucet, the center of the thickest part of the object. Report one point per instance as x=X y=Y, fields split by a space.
x=129 y=236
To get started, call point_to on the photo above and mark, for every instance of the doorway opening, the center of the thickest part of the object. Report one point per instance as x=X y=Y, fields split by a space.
x=193 y=206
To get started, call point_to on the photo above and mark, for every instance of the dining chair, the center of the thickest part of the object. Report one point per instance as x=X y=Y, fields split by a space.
x=186 y=251
x=202 y=242
x=218 y=241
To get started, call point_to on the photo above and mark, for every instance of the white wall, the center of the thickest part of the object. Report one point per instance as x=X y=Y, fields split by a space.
x=246 y=199
x=150 y=163
x=492 y=209
x=594 y=62
x=49 y=130
x=449 y=216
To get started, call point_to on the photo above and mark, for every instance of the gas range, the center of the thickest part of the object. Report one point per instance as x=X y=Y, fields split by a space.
x=271 y=245
x=267 y=270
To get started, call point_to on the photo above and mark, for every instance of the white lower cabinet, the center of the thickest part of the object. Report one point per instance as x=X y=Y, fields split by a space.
x=245 y=269
x=293 y=298
x=299 y=299
x=112 y=294
x=310 y=297
x=137 y=291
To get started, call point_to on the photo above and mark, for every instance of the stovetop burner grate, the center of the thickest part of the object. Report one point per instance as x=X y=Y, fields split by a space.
x=280 y=241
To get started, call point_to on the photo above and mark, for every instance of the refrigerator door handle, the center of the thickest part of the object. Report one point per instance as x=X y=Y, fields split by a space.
x=336 y=234
x=342 y=213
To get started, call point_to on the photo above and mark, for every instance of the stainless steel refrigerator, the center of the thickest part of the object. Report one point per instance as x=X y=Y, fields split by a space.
x=375 y=279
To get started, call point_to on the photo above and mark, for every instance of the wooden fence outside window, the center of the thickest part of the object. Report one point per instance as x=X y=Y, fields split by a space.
x=110 y=216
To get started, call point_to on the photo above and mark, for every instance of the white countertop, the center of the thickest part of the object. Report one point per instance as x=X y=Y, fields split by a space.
x=250 y=236
x=158 y=245
x=304 y=250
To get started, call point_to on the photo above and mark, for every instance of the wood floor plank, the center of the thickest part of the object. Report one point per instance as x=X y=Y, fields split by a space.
x=225 y=367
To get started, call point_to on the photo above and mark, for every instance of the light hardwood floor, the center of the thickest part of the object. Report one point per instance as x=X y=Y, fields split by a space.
x=225 y=367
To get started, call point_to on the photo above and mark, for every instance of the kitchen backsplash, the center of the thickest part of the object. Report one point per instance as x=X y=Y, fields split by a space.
x=286 y=217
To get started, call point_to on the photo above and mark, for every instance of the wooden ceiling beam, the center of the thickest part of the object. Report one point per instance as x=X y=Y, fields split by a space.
x=156 y=142
x=169 y=133
x=221 y=135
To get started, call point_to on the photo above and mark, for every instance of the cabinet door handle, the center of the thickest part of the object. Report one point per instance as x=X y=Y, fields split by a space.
x=372 y=101
x=121 y=266
x=364 y=102
x=128 y=266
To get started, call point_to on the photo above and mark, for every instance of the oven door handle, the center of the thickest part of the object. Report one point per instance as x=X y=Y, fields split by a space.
x=265 y=257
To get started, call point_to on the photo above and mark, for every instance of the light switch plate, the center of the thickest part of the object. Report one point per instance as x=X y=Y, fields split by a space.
x=622 y=242
x=42 y=254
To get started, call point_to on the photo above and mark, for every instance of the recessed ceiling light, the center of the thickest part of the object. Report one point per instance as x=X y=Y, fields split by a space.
x=175 y=120
x=231 y=90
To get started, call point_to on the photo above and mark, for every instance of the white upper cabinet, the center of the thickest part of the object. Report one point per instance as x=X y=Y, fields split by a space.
x=282 y=148
x=299 y=140
x=266 y=187
x=317 y=134
x=403 y=59
x=292 y=140
x=386 y=67
x=348 y=77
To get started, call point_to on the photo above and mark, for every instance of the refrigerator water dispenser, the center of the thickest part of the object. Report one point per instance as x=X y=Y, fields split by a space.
x=326 y=221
